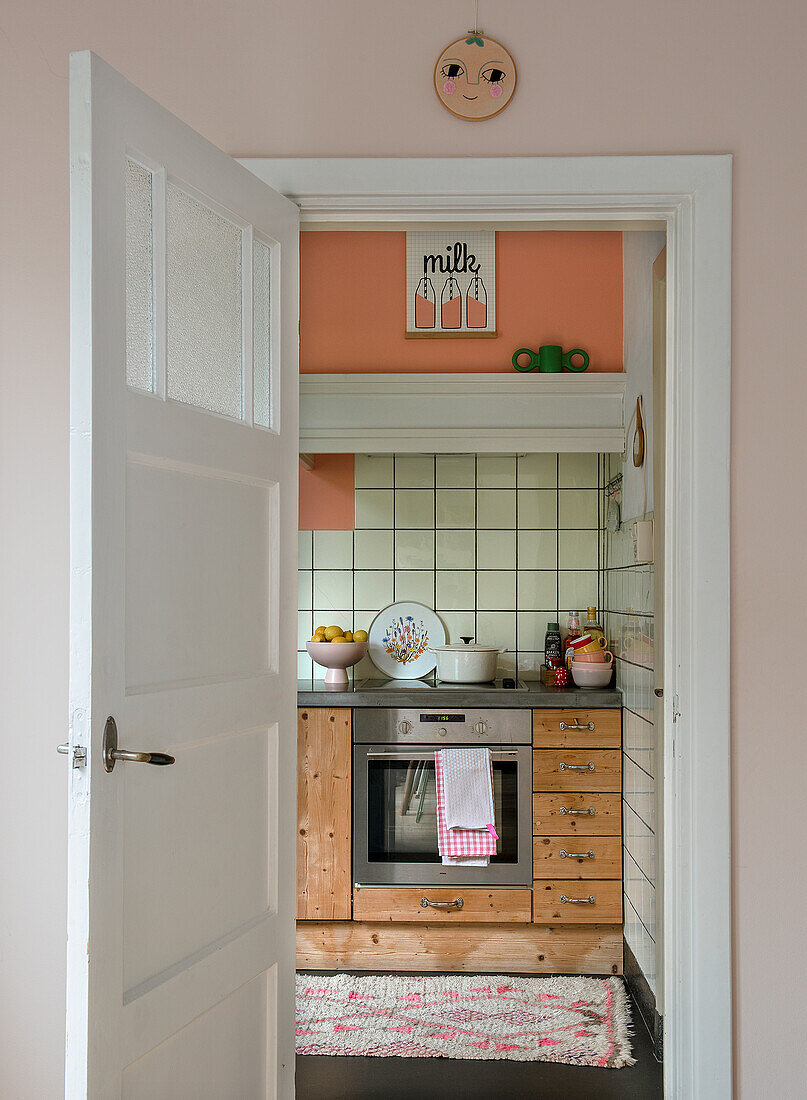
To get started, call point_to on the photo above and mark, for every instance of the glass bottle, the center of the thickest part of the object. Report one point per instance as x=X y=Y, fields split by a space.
x=572 y=631
x=553 y=654
x=451 y=304
x=476 y=304
x=592 y=626
x=425 y=304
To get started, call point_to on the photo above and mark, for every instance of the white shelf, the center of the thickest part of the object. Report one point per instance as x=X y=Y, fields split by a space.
x=461 y=413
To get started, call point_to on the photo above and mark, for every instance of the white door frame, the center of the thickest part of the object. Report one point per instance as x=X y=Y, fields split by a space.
x=691 y=197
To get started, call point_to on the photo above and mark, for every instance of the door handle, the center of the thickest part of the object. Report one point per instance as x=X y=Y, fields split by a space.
x=111 y=752
x=455 y=904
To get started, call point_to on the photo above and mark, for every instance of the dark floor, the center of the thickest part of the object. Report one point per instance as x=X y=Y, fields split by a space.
x=328 y=1078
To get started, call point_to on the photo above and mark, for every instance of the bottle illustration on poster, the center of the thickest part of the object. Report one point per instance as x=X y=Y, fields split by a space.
x=451 y=304
x=476 y=304
x=425 y=310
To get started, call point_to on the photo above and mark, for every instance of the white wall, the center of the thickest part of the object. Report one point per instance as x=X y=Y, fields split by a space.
x=639 y=250
x=313 y=78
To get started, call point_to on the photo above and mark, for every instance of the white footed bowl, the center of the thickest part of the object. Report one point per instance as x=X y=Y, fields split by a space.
x=336 y=658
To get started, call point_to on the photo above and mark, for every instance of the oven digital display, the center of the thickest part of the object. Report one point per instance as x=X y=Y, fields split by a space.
x=442 y=717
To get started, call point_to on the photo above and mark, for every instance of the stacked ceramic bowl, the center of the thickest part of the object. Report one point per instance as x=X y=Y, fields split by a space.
x=592 y=663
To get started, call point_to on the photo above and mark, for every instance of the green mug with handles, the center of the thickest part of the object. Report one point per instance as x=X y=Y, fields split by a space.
x=550 y=359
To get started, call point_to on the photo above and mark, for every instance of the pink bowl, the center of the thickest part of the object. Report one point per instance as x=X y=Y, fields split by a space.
x=603 y=657
x=336 y=658
x=591 y=676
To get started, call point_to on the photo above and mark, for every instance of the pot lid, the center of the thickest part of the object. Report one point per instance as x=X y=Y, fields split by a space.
x=465 y=647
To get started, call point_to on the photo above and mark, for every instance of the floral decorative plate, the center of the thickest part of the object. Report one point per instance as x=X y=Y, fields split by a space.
x=402 y=637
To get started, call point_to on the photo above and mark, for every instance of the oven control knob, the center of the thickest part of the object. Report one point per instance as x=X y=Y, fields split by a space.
x=405 y=727
x=442 y=731
x=481 y=727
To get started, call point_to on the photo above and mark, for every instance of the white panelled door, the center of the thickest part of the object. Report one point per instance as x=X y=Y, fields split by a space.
x=184 y=440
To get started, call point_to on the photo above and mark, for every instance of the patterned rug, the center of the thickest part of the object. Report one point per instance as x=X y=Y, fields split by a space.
x=580 y=1021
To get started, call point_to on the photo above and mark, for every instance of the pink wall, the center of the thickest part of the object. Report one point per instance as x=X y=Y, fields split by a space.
x=326 y=494
x=354 y=78
x=552 y=288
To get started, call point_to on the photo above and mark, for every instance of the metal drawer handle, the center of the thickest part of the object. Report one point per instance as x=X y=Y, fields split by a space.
x=111 y=752
x=577 y=855
x=577 y=901
x=576 y=767
x=455 y=904
x=590 y=811
x=576 y=726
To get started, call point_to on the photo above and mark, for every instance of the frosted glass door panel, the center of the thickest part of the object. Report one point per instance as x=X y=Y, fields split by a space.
x=203 y=291
x=139 y=278
x=262 y=333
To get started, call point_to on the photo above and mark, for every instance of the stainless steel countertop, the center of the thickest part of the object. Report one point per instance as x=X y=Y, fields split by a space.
x=315 y=693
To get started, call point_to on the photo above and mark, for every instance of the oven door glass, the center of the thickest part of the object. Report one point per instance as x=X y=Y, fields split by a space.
x=401 y=808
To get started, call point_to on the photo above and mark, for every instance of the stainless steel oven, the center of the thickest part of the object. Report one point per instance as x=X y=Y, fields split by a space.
x=394 y=797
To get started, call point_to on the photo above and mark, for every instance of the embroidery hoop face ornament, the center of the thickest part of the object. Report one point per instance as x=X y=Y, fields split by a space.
x=475 y=77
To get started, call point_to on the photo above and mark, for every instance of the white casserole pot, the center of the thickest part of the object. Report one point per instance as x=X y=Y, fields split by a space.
x=466 y=664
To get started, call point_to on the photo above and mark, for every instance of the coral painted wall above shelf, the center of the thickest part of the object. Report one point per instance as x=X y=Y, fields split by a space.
x=553 y=287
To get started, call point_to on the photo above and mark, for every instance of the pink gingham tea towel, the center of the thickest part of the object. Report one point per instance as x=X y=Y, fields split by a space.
x=464 y=782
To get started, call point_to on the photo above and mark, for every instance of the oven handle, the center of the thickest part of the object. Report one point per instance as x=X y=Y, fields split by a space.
x=496 y=754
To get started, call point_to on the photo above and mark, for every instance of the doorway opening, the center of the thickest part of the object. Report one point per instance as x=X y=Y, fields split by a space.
x=629 y=193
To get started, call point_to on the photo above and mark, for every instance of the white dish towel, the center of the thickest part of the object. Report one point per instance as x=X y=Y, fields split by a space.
x=468 y=788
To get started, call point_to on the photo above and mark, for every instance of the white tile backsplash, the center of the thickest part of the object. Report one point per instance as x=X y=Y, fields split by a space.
x=414 y=508
x=414 y=471
x=456 y=471
x=475 y=536
x=333 y=549
x=455 y=549
x=496 y=590
x=456 y=508
x=373 y=471
x=455 y=589
x=374 y=508
x=496 y=508
x=414 y=549
x=537 y=508
x=538 y=549
x=496 y=471
x=373 y=549
x=333 y=588
x=495 y=549
x=538 y=471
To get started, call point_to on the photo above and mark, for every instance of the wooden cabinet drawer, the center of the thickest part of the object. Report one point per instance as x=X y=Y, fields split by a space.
x=548 y=734
x=403 y=903
x=549 y=906
x=573 y=813
x=590 y=857
x=576 y=770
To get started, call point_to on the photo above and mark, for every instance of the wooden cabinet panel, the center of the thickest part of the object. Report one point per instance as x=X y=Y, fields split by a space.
x=403 y=903
x=548 y=903
x=576 y=770
x=590 y=857
x=547 y=734
x=478 y=948
x=323 y=813
x=573 y=813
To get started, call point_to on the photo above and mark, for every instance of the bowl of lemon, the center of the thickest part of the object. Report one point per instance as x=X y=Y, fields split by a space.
x=337 y=650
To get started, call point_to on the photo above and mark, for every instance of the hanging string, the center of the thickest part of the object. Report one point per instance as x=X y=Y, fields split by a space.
x=476 y=31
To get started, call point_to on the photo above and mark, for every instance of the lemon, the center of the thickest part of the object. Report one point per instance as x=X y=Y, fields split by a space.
x=341 y=638
x=348 y=636
x=359 y=635
x=332 y=632
x=320 y=630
